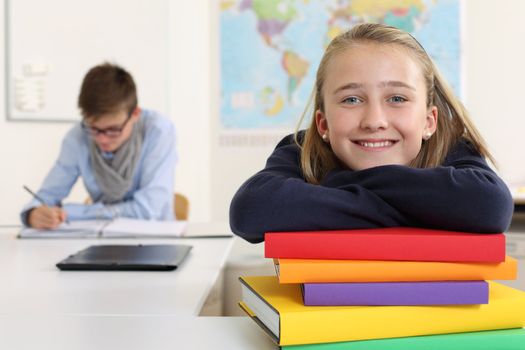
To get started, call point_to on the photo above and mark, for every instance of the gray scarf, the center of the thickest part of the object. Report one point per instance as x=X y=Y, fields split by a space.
x=114 y=176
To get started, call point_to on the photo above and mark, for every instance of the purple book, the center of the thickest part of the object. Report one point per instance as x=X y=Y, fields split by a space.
x=396 y=293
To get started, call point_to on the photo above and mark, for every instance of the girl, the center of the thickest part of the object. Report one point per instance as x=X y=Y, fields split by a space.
x=389 y=145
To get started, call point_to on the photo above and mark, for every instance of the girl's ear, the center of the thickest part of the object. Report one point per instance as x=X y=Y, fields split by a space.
x=431 y=123
x=322 y=125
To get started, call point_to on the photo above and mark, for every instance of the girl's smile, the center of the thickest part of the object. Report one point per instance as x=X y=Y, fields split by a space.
x=375 y=107
x=375 y=144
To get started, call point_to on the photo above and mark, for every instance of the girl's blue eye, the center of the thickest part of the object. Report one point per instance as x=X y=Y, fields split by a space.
x=352 y=100
x=397 y=99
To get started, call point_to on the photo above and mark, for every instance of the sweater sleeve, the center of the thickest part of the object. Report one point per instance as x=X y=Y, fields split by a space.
x=279 y=199
x=464 y=194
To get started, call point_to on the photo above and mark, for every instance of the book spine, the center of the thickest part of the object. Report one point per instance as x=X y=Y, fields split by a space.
x=328 y=271
x=396 y=293
x=506 y=339
x=381 y=245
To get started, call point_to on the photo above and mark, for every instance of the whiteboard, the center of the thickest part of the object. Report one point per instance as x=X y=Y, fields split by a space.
x=50 y=46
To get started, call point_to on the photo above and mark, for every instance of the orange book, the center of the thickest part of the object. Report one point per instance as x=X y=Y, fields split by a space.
x=326 y=271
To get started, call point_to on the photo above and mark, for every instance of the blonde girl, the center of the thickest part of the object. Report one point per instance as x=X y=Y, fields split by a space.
x=389 y=145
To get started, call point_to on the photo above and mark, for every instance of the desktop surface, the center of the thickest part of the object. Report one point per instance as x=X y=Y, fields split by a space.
x=89 y=332
x=32 y=284
x=42 y=307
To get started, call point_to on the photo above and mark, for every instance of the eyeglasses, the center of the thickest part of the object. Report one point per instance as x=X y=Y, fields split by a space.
x=111 y=132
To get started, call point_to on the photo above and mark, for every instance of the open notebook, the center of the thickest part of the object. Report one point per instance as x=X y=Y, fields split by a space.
x=117 y=228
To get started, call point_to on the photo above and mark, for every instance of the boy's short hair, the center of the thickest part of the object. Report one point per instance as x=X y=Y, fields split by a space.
x=107 y=88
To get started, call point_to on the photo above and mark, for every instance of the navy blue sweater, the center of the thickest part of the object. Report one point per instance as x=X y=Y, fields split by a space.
x=464 y=194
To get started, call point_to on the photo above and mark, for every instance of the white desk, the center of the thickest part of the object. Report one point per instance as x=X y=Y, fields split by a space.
x=131 y=333
x=42 y=307
x=31 y=284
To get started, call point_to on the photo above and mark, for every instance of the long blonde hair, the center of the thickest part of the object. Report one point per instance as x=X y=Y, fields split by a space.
x=317 y=158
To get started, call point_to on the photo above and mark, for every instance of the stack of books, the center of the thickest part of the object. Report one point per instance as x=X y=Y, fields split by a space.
x=390 y=288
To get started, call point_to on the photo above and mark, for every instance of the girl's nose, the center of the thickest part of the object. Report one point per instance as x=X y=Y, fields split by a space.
x=374 y=118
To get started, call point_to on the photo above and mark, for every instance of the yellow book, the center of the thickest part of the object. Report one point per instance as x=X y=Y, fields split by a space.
x=278 y=309
x=331 y=271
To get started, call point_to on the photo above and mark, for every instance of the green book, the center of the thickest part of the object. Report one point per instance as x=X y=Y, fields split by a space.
x=506 y=339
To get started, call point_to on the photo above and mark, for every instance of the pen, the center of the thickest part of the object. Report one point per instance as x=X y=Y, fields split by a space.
x=42 y=201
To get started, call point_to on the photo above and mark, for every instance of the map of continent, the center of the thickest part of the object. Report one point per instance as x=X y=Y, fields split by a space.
x=270 y=50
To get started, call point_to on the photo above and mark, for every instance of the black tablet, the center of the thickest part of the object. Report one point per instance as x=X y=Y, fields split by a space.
x=154 y=257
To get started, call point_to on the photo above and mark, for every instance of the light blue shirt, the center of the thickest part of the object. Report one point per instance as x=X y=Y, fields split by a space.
x=151 y=194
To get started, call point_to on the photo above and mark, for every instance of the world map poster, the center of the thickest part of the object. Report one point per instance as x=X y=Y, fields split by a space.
x=270 y=50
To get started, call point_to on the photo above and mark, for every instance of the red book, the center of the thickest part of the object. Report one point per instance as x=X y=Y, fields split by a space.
x=393 y=243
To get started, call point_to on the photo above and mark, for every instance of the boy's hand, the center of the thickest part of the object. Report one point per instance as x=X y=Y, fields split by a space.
x=45 y=217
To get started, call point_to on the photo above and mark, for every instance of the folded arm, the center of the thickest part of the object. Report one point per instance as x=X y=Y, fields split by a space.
x=464 y=194
x=279 y=199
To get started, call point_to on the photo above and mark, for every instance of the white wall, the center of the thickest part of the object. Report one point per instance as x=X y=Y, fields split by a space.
x=495 y=74
x=209 y=174
x=190 y=106
x=28 y=149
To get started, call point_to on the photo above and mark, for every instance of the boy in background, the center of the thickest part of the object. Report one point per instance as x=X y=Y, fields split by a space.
x=125 y=155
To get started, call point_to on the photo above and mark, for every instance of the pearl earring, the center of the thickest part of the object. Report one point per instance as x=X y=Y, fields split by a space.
x=427 y=136
x=325 y=137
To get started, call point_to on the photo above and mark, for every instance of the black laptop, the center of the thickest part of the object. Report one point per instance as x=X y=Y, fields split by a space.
x=154 y=257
